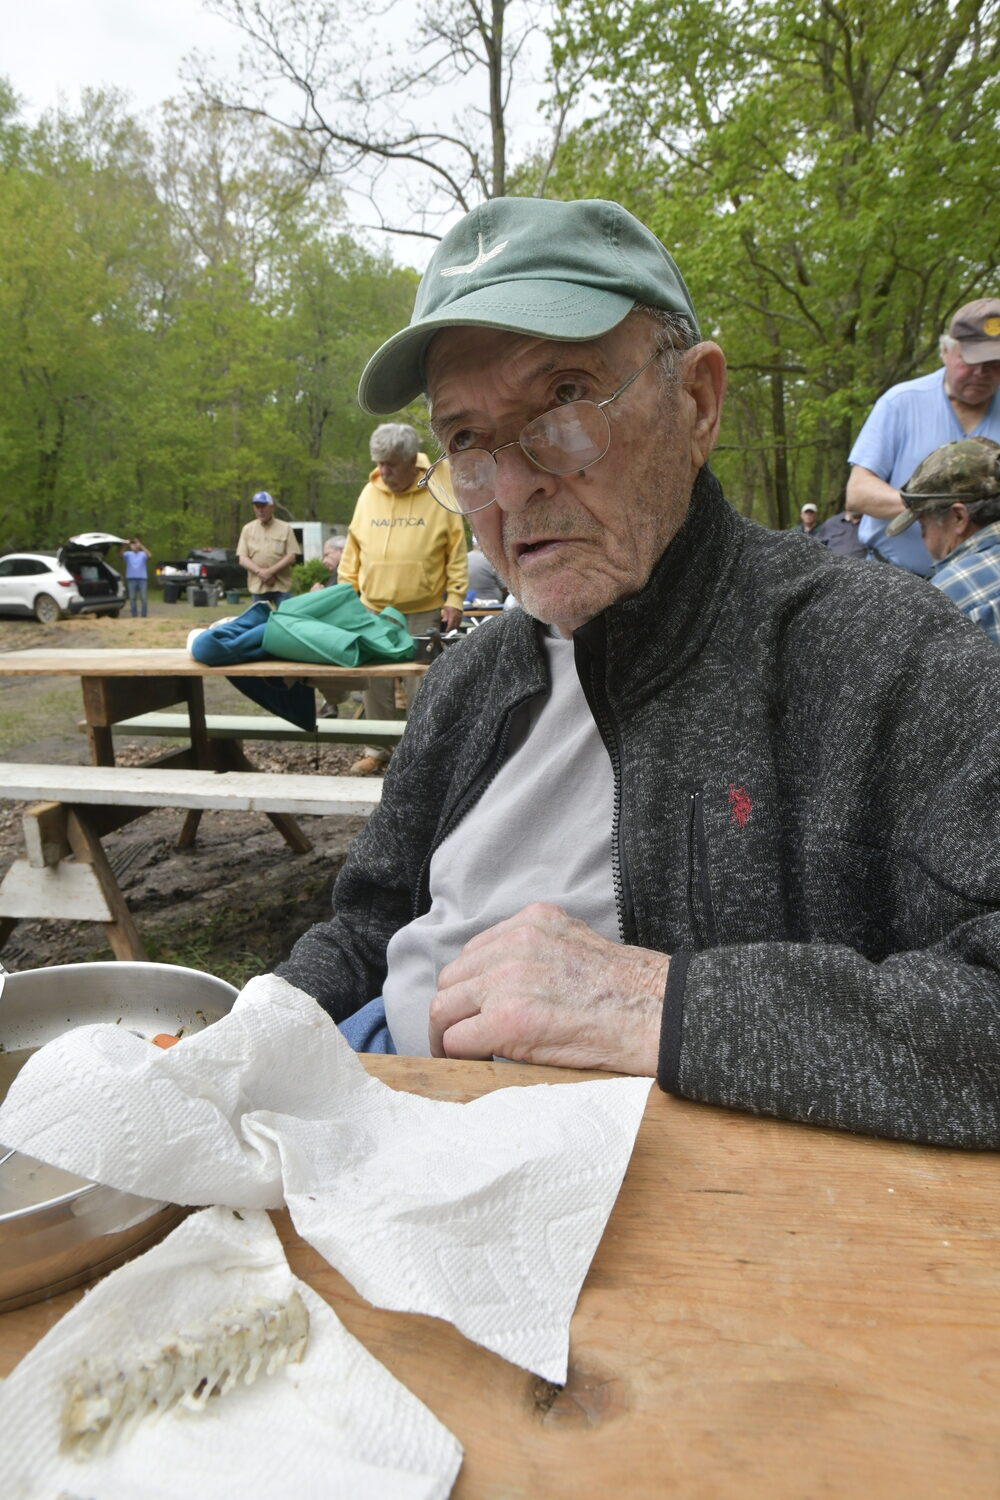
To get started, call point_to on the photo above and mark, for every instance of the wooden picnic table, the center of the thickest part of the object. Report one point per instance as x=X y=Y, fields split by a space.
x=120 y=683
x=68 y=874
x=774 y=1311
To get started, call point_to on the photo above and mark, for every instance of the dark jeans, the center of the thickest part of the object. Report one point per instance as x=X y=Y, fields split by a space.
x=138 y=588
x=366 y=1030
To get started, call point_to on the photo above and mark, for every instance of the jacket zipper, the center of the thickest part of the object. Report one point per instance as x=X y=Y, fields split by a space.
x=698 y=869
x=607 y=728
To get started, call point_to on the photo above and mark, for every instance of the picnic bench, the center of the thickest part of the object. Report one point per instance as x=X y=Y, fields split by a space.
x=265 y=727
x=65 y=873
x=121 y=683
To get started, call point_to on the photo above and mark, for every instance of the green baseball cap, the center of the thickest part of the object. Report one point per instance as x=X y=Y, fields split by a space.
x=528 y=265
x=966 y=470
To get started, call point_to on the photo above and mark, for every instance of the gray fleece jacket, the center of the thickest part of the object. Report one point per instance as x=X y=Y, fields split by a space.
x=806 y=755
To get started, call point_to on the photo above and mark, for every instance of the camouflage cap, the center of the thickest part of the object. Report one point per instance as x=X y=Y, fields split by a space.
x=967 y=470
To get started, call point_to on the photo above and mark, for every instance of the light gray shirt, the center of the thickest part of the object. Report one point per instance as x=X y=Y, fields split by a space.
x=483 y=580
x=540 y=832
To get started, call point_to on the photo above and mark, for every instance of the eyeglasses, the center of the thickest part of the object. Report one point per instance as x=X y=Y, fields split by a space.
x=561 y=441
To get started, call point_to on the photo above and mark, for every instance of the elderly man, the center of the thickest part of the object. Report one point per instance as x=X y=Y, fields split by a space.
x=267 y=548
x=723 y=867
x=333 y=551
x=954 y=496
x=912 y=419
x=402 y=549
x=808 y=517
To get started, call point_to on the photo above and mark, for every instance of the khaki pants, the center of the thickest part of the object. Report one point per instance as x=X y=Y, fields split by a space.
x=380 y=693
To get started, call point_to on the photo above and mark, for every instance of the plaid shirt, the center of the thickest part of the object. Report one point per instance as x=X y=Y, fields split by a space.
x=971 y=577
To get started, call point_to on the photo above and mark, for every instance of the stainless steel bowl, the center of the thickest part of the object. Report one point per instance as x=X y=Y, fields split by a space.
x=56 y=1229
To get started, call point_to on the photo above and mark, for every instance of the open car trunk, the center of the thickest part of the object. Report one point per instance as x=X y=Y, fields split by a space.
x=86 y=558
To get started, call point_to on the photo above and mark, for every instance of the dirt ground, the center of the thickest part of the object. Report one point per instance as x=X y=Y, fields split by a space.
x=233 y=904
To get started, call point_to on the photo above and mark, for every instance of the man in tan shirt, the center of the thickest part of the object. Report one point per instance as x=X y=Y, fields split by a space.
x=267 y=549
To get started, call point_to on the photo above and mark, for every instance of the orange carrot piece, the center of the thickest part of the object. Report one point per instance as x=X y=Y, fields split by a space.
x=164 y=1039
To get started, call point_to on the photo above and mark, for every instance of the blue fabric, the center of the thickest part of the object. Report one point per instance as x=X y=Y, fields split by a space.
x=242 y=639
x=135 y=563
x=904 y=425
x=294 y=701
x=970 y=575
x=367 y=1030
x=234 y=641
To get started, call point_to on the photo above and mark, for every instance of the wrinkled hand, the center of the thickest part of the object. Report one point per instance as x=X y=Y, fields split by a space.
x=543 y=987
x=451 y=617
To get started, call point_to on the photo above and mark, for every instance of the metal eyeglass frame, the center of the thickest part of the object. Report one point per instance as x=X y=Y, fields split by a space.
x=424 y=483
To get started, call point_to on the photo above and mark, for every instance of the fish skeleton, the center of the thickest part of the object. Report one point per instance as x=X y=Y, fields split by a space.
x=106 y=1398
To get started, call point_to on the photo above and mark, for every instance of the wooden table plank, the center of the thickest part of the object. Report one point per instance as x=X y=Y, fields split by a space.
x=774 y=1311
x=175 y=662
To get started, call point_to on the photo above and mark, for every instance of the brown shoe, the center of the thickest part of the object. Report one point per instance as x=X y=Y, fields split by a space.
x=368 y=765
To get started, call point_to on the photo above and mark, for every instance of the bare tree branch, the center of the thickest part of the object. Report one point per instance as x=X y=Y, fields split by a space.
x=380 y=128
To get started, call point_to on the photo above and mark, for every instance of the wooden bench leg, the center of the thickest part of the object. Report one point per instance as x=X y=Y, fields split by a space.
x=202 y=750
x=291 y=833
x=231 y=754
x=66 y=876
x=122 y=933
x=189 y=831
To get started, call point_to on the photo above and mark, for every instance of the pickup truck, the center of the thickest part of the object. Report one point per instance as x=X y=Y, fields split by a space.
x=204 y=565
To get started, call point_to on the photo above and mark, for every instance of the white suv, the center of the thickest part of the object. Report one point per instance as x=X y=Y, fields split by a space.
x=75 y=580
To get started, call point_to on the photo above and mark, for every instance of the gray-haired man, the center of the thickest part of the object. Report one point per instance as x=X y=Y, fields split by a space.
x=723 y=867
x=405 y=550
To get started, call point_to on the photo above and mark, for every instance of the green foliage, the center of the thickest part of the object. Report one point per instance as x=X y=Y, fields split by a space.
x=305 y=574
x=181 y=324
x=824 y=172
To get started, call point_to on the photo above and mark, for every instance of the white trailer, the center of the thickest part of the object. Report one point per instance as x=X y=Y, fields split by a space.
x=312 y=536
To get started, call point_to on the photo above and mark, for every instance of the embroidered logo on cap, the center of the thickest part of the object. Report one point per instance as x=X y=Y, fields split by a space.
x=991 y=327
x=480 y=260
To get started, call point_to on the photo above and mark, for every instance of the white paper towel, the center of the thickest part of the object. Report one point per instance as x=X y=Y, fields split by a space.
x=337 y=1424
x=487 y=1214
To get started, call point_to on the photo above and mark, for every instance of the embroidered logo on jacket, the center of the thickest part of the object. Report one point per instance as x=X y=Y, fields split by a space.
x=740 y=806
x=398 y=521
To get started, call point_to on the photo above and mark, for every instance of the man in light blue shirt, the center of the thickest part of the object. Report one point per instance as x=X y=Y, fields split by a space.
x=134 y=557
x=912 y=419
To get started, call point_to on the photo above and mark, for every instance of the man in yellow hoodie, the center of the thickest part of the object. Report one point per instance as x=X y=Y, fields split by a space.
x=405 y=550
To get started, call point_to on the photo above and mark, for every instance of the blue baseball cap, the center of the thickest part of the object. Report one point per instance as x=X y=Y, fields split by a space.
x=262 y=498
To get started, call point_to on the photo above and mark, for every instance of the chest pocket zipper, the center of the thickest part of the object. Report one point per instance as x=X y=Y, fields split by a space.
x=701 y=913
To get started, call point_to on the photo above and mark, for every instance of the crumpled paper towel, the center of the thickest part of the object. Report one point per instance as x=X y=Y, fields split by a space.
x=486 y=1214
x=336 y=1424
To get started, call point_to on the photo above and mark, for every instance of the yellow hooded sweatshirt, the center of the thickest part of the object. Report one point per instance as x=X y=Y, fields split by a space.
x=404 y=549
